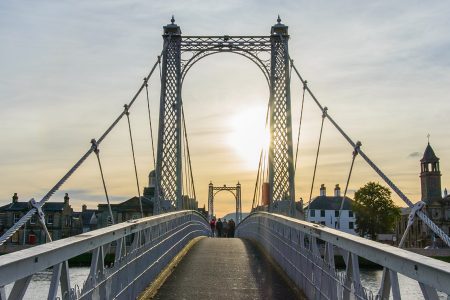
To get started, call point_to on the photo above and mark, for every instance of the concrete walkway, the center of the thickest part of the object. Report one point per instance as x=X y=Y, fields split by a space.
x=225 y=269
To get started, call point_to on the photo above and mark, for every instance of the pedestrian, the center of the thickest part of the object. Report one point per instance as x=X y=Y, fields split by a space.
x=219 y=227
x=212 y=223
x=225 y=228
x=231 y=227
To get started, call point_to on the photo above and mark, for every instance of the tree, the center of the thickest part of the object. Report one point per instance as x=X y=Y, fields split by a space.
x=375 y=211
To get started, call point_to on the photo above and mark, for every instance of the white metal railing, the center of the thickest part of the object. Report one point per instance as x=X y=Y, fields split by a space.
x=142 y=248
x=306 y=252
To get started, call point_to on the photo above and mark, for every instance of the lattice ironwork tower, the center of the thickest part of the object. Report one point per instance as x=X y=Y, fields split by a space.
x=168 y=167
x=281 y=167
x=180 y=54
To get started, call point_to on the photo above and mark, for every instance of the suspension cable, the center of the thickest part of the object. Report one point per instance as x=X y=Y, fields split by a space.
x=300 y=125
x=150 y=118
x=188 y=152
x=264 y=178
x=185 y=187
x=254 y=204
x=97 y=153
x=127 y=113
x=10 y=232
x=260 y=171
x=354 y=154
x=264 y=172
x=386 y=179
x=324 y=114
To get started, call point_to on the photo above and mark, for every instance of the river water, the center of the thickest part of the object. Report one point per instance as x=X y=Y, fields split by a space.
x=371 y=279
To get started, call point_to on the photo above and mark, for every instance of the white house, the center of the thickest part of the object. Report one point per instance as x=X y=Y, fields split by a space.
x=325 y=210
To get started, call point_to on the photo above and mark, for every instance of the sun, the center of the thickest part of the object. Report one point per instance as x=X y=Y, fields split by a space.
x=248 y=135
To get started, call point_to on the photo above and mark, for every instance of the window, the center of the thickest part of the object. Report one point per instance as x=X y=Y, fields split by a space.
x=322 y=223
x=350 y=214
x=336 y=213
x=351 y=225
x=335 y=224
x=322 y=213
x=16 y=217
x=312 y=213
x=33 y=220
x=49 y=219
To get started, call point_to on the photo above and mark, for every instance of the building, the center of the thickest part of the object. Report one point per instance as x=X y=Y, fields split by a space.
x=58 y=220
x=325 y=210
x=124 y=211
x=86 y=220
x=437 y=206
x=130 y=209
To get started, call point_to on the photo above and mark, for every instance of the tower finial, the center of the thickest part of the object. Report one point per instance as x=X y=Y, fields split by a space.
x=173 y=19
x=428 y=136
x=279 y=19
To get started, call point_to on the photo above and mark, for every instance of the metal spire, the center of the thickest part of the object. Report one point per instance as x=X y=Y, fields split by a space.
x=279 y=19
x=173 y=19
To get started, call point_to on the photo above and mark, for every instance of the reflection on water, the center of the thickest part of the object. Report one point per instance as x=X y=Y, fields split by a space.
x=409 y=288
x=371 y=279
x=40 y=283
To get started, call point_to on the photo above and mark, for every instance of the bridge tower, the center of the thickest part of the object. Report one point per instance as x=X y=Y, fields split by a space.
x=168 y=164
x=281 y=167
x=276 y=70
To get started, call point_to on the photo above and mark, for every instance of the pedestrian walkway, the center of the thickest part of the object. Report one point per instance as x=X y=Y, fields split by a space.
x=231 y=268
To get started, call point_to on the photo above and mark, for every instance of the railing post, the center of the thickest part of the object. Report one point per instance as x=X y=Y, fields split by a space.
x=19 y=288
x=429 y=293
x=65 y=280
x=2 y=293
x=54 y=283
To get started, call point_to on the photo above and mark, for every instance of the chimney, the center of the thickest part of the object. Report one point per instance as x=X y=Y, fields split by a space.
x=66 y=199
x=84 y=208
x=15 y=198
x=323 y=190
x=337 y=191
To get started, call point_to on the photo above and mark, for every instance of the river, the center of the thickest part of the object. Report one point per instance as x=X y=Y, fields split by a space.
x=370 y=278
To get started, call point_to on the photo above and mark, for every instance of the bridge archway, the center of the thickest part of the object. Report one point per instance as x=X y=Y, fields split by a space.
x=234 y=190
x=179 y=55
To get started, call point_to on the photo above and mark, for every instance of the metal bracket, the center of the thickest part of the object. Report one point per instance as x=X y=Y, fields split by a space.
x=39 y=211
x=41 y=215
x=417 y=207
x=414 y=210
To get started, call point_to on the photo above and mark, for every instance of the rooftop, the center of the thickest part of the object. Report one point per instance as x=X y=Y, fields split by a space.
x=330 y=203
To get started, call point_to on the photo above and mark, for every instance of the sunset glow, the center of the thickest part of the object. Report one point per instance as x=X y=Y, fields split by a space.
x=248 y=135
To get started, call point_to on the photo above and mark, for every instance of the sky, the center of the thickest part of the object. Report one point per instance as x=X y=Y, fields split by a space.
x=67 y=67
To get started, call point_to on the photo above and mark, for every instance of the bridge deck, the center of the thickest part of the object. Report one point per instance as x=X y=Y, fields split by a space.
x=225 y=268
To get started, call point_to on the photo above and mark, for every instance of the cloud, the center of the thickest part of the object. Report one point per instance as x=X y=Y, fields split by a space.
x=414 y=154
x=90 y=196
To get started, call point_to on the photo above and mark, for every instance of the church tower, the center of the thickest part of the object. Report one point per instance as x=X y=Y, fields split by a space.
x=430 y=177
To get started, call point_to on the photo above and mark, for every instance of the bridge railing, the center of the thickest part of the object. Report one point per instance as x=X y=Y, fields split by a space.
x=306 y=252
x=142 y=249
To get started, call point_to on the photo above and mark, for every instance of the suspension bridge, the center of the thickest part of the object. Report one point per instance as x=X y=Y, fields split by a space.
x=287 y=257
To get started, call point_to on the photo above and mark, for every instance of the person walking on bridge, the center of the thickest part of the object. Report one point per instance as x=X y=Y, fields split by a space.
x=212 y=223
x=231 y=227
x=219 y=227
x=225 y=228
